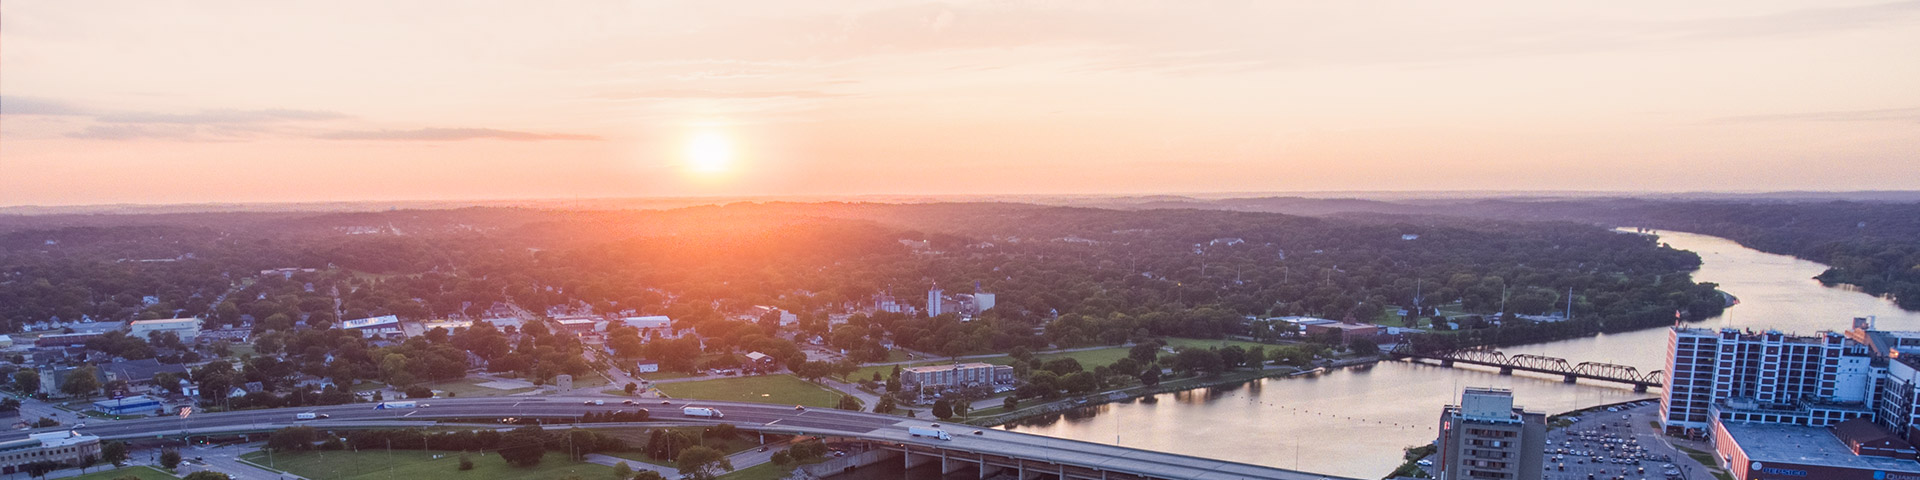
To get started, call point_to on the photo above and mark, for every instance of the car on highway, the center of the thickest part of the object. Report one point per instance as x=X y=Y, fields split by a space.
x=630 y=402
x=799 y=408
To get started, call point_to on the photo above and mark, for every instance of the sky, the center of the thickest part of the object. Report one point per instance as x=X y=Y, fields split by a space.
x=244 y=101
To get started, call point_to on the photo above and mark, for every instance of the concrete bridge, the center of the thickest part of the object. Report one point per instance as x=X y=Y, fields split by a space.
x=987 y=451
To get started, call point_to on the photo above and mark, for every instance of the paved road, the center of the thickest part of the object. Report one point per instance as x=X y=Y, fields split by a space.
x=773 y=418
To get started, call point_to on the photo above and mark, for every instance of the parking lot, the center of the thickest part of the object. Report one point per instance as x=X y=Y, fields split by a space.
x=1614 y=445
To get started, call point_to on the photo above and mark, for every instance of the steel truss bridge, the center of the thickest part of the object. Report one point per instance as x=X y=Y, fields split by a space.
x=1568 y=371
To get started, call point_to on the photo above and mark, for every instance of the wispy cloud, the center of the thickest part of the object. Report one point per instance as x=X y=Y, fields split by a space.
x=450 y=134
x=18 y=105
x=223 y=117
x=1910 y=114
x=700 y=93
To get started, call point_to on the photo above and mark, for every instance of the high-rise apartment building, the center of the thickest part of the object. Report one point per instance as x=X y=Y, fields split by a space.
x=934 y=297
x=1486 y=438
x=1769 y=377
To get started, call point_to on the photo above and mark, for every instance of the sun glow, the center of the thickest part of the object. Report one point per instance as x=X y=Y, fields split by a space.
x=709 y=153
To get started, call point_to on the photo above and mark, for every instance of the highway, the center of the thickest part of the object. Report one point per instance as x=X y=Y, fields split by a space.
x=749 y=416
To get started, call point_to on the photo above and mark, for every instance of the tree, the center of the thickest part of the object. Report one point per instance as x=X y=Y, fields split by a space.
x=86 y=462
x=622 y=472
x=1144 y=353
x=206 y=475
x=648 y=475
x=1364 y=348
x=27 y=381
x=885 y=405
x=893 y=384
x=170 y=458
x=465 y=463
x=631 y=387
x=1150 y=376
x=942 y=409
x=81 y=382
x=113 y=452
x=700 y=463
x=292 y=439
x=847 y=402
x=524 y=446
x=1011 y=403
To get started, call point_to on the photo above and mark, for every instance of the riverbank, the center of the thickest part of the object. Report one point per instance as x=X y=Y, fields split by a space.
x=1180 y=385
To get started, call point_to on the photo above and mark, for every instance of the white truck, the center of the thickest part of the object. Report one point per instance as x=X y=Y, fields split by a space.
x=309 y=416
x=702 y=412
x=929 y=433
x=387 y=405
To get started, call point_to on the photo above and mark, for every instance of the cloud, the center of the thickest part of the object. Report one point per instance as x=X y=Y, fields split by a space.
x=450 y=134
x=1910 y=114
x=17 y=105
x=699 y=93
x=223 y=117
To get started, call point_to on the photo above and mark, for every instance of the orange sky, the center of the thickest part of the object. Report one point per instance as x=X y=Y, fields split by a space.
x=161 y=102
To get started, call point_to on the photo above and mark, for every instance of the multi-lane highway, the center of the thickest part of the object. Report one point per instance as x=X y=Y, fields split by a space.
x=757 y=417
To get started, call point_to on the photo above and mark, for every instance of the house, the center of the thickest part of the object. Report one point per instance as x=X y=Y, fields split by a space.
x=51 y=379
x=578 y=326
x=140 y=372
x=760 y=359
x=647 y=366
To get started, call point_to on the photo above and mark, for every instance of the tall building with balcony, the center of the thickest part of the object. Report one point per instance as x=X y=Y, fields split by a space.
x=1770 y=377
x=1486 y=438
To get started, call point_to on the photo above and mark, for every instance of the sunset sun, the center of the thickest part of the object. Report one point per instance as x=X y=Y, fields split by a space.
x=709 y=153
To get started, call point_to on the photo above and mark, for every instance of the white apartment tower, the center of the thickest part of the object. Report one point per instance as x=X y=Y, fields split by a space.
x=1772 y=377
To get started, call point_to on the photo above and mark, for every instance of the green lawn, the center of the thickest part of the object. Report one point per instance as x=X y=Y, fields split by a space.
x=1179 y=343
x=664 y=375
x=780 y=389
x=415 y=464
x=764 y=471
x=470 y=387
x=638 y=439
x=142 y=473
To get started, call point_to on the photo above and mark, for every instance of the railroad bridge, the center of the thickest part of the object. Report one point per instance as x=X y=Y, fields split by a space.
x=1568 y=371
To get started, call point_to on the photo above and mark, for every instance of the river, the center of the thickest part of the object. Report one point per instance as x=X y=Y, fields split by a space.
x=1354 y=422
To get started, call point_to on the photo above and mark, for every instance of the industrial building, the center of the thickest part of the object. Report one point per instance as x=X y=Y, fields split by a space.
x=1486 y=437
x=382 y=326
x=134 y=405
x=185 y=328
x=941 y=376
x=1851 y=450
x=65 y=447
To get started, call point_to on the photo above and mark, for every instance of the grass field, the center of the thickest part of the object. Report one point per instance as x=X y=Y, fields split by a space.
x=377 y=465
x=780 y=389
x=469 y=388
x=1178 y=343
x=142 y=473
x=764 y=471
x=657 y=376
x=638 y=439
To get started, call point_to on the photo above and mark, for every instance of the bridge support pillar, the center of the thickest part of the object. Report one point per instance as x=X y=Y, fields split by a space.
x=1640 y=389
x=1506 y=370
x=1446 y=363
x=915 y=460
x=988 y=470
x=1569 y=379
x=948 y=465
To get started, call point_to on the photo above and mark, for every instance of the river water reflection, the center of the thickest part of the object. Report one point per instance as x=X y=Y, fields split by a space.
x=1353 y=422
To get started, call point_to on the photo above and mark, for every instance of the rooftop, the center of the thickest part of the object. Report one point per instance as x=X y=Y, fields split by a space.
x=166 y=321
x=1807 y=446
x=938 y=368
x=370 y=322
